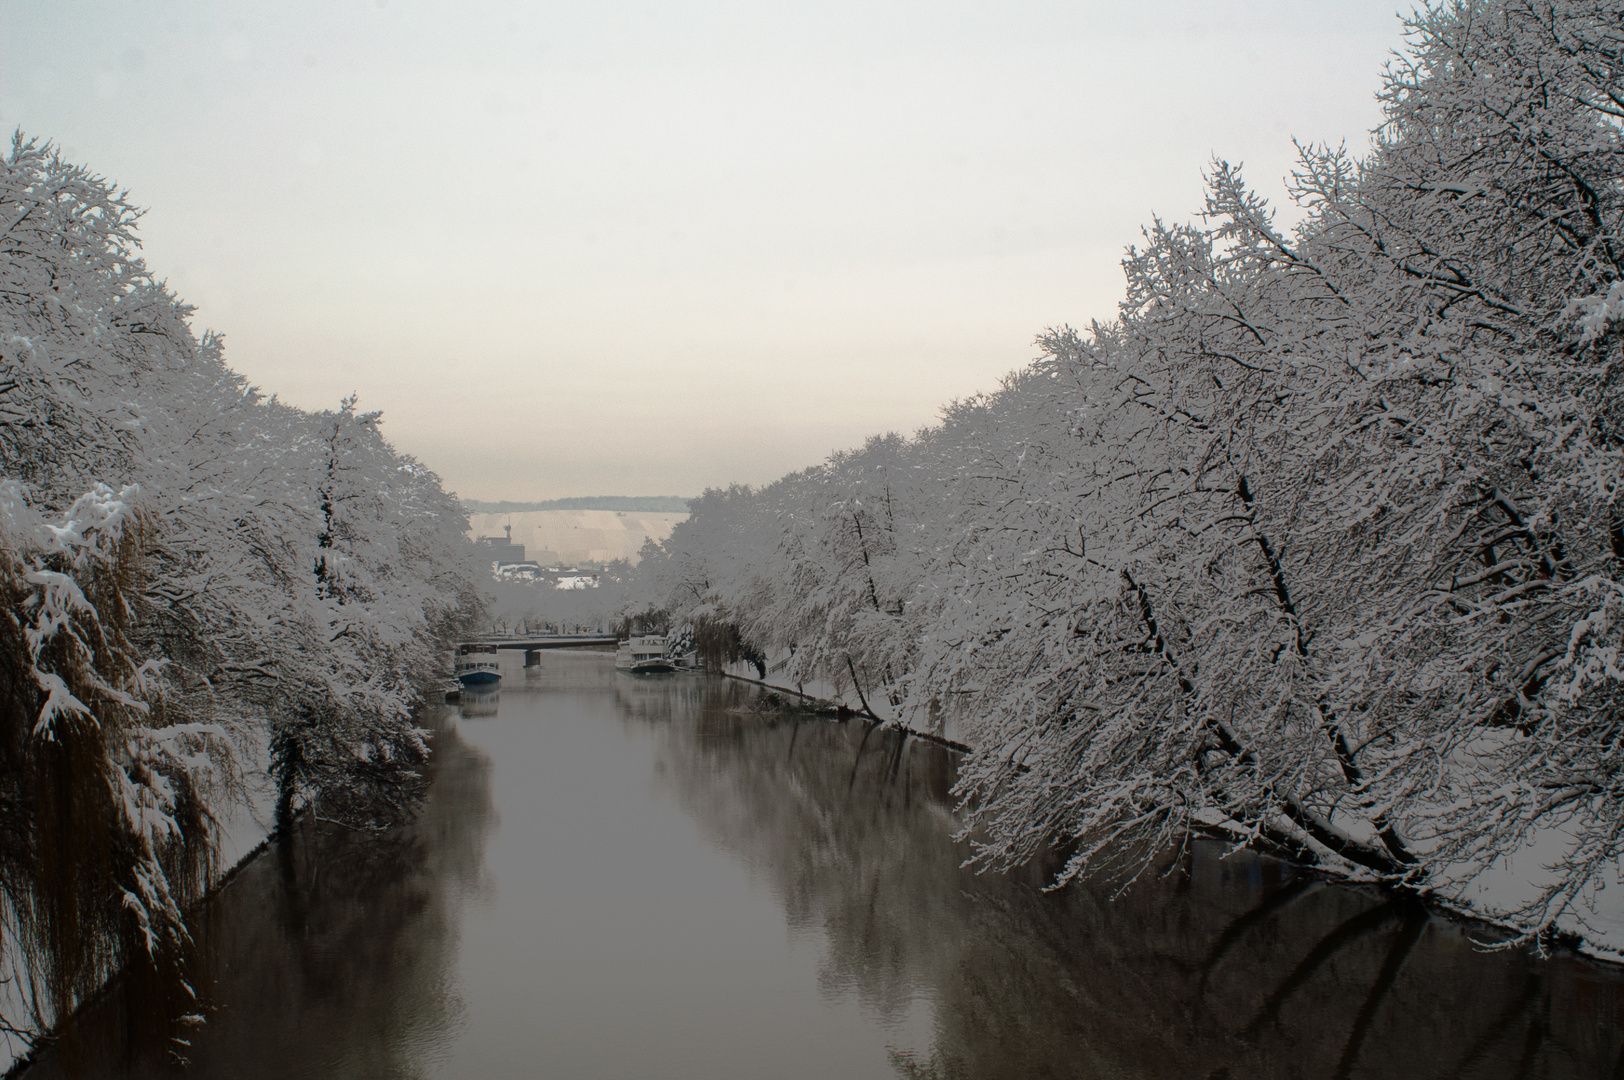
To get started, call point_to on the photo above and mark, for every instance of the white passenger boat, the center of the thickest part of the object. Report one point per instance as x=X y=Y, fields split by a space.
x=644 y=655
x=476 y=665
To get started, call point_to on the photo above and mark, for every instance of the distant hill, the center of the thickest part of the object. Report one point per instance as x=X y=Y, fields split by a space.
x=592 y=537
x=648 y=504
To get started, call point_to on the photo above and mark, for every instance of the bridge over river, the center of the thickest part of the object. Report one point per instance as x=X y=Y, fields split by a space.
x=533 y=644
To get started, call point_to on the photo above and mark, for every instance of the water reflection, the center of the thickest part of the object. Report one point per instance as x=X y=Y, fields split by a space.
x=331 y=956
x=1223 y=967
x=657 y=836
x=479 y=704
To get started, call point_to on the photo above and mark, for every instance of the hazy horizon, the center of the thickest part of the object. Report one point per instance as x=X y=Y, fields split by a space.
x=590 y=249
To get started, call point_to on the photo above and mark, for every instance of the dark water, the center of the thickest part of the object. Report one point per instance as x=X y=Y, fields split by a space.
x=621 y=877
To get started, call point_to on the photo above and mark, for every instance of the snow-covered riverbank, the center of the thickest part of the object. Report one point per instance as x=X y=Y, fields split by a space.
x=1319 y=542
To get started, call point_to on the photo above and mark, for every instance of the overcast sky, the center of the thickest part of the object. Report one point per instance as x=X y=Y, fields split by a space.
x=583 y=248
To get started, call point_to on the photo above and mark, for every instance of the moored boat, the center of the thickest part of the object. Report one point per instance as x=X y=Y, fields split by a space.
x=476 y=665
x=645 y=655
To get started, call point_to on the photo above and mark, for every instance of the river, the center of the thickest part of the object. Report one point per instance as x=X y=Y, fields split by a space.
x=657 y=877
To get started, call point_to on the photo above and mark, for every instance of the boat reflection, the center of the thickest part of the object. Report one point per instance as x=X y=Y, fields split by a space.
x=475 y=704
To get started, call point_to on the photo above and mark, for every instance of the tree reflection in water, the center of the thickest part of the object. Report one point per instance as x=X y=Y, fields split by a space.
x=335 y=954
x=336 y=957
x=1217 y=966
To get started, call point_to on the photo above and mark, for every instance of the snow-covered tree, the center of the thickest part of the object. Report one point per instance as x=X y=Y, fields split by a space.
x=1317 y=544
x=190 y=569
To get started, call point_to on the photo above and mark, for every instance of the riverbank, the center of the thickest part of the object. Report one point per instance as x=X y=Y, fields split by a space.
x=1485 y=906
x=247 y=837
x=716 y=889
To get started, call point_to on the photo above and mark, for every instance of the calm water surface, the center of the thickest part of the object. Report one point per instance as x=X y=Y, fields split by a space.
x=620 y=877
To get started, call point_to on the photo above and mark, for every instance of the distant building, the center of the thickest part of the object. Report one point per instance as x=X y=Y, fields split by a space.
x=503 y=550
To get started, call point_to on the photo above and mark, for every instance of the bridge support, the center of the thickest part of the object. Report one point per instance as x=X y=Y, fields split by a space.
x=532 y=658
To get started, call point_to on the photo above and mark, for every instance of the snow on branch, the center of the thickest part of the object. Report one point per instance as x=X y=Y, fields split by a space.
x=1319 y=540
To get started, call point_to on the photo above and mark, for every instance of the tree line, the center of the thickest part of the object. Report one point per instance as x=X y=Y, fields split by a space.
x=203 y=586
x=1318 y=544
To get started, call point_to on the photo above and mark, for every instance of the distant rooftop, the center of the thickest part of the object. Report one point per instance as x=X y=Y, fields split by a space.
x=648 y=504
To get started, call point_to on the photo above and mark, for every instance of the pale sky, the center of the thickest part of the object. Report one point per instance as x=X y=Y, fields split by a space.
x=601 y=248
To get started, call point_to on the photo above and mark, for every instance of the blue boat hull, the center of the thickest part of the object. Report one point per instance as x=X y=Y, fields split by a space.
x=479 y=678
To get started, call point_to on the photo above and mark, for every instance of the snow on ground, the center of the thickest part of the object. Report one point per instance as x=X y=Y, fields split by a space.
x=1515 y=880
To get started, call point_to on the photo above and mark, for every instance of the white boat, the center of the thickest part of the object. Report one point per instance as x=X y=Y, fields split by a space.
x=644 y=655
x=476 y=665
